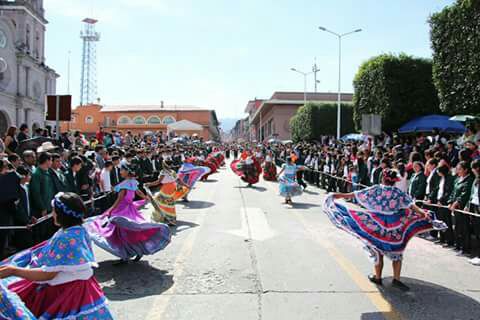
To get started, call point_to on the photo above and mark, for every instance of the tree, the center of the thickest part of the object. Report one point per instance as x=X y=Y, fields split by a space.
x=397 y=87
x=315 y=120
x=455 y=36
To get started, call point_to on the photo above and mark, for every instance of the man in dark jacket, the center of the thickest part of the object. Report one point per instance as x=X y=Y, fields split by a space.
x=72 y=176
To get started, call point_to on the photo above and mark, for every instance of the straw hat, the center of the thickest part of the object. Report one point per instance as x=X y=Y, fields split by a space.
x=46 y=146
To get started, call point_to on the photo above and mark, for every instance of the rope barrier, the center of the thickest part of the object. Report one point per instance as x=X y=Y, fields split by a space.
x=48 y=216
x=418 y=201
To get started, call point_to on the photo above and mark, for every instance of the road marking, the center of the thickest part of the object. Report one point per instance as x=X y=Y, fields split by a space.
x=372 y=292
x=259 y=228
x=161 y=302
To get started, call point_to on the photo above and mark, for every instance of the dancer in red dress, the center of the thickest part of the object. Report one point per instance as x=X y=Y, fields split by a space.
x=247 y=168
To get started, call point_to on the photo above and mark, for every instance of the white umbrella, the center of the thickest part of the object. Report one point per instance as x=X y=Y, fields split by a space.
x=462 y=118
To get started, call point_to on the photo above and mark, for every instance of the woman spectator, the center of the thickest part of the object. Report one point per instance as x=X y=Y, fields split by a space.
x=474 y=207
x=9 y=193
x=458 y=200
x=11 y=142
x=402 y=183
x=23 y=134
x=445 y=188
x=418 y=182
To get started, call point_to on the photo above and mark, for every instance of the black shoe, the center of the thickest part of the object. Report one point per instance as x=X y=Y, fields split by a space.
x=137 y=258
x=400 y=285
x=120 y=262
x=374 y=279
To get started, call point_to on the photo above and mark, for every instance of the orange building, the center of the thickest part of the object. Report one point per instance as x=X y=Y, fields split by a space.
x=181 y=120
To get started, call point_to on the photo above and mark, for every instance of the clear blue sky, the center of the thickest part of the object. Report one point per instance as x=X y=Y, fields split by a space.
x=220 y=54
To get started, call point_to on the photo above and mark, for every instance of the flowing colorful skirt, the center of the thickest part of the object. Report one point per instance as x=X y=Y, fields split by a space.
x=165 y=202
x=190 y=174
x=289 y=187
x=26 y=300
x=128 y=235
x=248 y=173
x=381 y=234
x=270 y=171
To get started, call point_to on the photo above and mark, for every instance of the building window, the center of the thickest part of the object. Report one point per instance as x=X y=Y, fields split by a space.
x=154 y=120
x=139 y=120
x=168 y=120
x=124 y=120
x=88 y=119
x=74 y=119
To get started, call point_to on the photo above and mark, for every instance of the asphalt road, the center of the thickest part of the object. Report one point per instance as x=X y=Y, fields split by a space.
x=239 y=253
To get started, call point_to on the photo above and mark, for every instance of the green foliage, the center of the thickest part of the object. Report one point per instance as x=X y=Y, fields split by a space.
x=455 y=36
x=397 y=87
x=314 y=120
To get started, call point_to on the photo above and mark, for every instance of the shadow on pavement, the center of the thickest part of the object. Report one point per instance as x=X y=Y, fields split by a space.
x=303 y=206
x=427 y=301
x=196 y=204
x=210 y=180
x=133 y=280
x=182 y=226
x=257 y=188
x=310 y=192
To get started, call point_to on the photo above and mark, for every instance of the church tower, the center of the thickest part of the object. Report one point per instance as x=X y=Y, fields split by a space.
x=26 y=78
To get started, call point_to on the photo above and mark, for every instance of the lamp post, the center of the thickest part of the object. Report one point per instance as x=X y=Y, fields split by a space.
x=304 y=74
x=339 y=36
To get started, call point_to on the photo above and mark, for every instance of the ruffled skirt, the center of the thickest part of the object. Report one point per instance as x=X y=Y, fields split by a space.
x=289 y=187
x=270 y=171
x=125 y=237
x=381 y=234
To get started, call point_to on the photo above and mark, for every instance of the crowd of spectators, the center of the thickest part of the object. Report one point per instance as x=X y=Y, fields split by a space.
x=88 y=166
x=438 y=170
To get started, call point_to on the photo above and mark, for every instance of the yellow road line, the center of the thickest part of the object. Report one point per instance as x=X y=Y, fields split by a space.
x=372 y=293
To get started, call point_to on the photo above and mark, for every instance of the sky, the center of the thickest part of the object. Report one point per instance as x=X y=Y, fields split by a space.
x=221 y=53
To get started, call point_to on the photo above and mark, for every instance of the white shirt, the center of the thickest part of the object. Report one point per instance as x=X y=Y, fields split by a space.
x=475 y=200
x=105 y=180
x=402 y=184
x=441 y=188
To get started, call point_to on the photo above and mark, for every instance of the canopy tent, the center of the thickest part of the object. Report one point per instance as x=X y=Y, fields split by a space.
x=432 y=122
x=355 y=137
x=184 y=125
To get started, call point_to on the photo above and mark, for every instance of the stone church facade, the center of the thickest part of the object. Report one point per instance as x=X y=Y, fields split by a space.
x=25 y=79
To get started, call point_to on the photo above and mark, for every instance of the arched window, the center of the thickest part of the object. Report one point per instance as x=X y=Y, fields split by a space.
x=139 y=120
x=124 y=120
x=168 y=120
x=154 y=120
x=88 y=119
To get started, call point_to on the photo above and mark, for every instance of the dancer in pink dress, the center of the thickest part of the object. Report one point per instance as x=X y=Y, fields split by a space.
x=122 y=230
x=54 y=280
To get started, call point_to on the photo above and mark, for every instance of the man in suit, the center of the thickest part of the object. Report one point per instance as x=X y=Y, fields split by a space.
x=42 y=191
x=72 y=176
x=23 y=239
x=115 y=177
x=58 y=177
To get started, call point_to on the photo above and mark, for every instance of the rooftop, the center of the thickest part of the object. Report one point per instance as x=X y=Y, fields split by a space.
x=311 y=96
x=136 y=108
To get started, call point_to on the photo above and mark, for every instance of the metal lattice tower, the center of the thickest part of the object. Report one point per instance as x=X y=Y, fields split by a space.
x=88 y=84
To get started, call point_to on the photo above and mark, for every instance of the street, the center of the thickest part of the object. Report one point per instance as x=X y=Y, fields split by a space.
x=239 y=253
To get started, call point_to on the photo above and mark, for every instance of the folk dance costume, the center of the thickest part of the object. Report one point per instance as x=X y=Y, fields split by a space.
x=289 y=186
x=188 y=175
x=269 y=169
x=248 y=169
x=165 y=199
x=388 y=220
x=72 y=293
x=124 y=232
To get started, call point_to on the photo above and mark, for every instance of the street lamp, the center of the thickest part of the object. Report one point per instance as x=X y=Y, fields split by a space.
x=304 y=74
x=339 y=36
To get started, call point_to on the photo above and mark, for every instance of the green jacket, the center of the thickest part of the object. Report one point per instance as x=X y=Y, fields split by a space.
x=434 y=185
x=42 y=191
x=418 y=185
x=462 y=190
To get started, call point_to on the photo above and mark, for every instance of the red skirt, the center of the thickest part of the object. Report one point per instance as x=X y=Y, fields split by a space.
x=73 y=299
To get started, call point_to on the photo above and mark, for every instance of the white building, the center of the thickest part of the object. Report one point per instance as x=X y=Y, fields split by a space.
x=25 y=79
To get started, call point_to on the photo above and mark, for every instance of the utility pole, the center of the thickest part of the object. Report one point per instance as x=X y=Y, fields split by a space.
x=315 y=70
